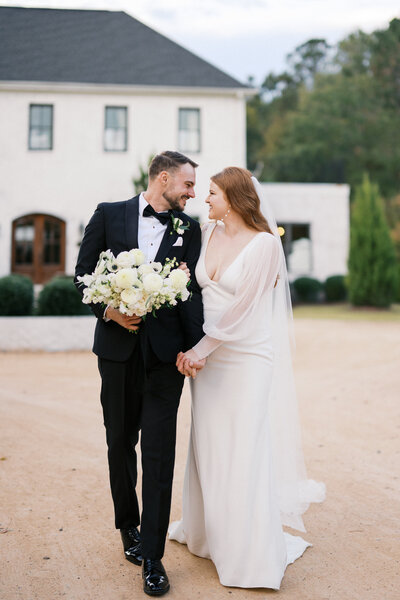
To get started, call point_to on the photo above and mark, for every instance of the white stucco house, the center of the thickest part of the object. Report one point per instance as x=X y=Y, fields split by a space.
x=86 y=97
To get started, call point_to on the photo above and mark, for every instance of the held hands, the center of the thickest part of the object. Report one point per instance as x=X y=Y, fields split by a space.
x=131 y=323
x=188 y=363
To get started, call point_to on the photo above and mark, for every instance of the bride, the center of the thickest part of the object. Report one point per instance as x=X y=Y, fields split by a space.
x=245 y=475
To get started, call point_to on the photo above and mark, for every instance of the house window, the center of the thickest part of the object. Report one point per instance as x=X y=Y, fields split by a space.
x=116 y=129
x=296 y=243
x=40 y=127
x=38 y=247
x=189 y=130
x=24 y=235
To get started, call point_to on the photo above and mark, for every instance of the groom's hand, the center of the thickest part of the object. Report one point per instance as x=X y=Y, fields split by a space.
x=188 y=363
x=131 y=323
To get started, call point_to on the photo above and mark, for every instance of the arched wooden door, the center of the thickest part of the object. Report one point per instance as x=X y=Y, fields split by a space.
x=38 y=247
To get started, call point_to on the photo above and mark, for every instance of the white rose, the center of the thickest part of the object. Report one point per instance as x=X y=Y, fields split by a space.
x=137 y=256
x=152 y=283
x=140 y=308
x=124 y=260
x=129 y=296
x=125 y=278
x=145 y=269
x=178 y=279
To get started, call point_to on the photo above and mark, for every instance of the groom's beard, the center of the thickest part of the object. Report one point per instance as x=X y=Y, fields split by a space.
x=176 y=202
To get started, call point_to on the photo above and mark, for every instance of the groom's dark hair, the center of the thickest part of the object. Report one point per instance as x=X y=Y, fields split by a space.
x=168 y=161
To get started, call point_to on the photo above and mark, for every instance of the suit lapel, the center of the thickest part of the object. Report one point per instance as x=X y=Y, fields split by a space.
x=168 y=240
x=131 y=222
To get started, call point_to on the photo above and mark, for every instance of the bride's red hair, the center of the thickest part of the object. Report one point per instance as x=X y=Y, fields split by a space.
x=238 y=187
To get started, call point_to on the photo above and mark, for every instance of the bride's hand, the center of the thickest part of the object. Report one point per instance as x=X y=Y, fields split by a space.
x=189 y=357
x=183 y=367
x=189 y=362
x=183 y=266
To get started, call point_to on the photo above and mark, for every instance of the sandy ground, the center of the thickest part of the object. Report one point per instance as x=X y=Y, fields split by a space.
x=57 y=538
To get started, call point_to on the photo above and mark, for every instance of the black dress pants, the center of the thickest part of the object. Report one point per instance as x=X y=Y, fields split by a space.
x=142 y=393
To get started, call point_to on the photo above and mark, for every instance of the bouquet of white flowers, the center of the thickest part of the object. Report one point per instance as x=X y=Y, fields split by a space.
x=132 y=286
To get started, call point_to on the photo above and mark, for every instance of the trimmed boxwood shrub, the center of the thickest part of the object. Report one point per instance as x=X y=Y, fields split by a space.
x=308 y=289
x=60 y=297
x=335 y=288
x=16 y=296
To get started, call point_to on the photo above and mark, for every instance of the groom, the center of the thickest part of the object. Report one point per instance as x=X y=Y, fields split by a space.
x=141 y=386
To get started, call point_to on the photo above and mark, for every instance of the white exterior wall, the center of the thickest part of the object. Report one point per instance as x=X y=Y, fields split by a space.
x=326 y=208
x=70 y=180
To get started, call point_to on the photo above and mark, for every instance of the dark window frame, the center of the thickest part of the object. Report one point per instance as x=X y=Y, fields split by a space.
x=125 y=128
x=50 y=127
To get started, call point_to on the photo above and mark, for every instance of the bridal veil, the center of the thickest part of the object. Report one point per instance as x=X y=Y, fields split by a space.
x=295 y=491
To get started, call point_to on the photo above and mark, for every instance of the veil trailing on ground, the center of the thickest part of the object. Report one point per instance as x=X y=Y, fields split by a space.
x=294 y=489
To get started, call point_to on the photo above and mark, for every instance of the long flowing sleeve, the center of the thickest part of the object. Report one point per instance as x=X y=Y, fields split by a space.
x=260 y=269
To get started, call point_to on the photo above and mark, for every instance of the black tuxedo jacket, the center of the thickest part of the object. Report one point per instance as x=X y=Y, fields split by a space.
x=114 y=226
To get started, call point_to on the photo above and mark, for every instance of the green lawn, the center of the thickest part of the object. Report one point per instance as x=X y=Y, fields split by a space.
x=346 y=312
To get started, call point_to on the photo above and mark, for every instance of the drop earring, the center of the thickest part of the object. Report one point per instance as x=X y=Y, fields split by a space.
x=226 y=214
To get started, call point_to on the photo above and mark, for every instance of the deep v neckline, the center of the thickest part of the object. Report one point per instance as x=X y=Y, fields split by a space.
x=230 y=264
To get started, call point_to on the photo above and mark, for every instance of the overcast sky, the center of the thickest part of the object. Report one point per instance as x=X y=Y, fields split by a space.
x=245 y=37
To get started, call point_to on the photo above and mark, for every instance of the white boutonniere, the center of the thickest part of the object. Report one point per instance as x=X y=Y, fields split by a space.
x=178 y=226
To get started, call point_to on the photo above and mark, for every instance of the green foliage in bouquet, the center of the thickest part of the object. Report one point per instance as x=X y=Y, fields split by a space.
x=16 y=296
x=373 y=269
x=307 y=290
x=60 y=297
x=335 y=289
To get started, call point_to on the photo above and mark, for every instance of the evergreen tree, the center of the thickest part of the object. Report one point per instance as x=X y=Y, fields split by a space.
x=372 y=259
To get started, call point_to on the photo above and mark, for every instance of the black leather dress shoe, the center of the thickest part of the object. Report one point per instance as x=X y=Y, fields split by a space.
x=155 y=579
x=132 y=546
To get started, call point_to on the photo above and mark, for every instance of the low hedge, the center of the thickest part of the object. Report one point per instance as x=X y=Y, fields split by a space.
x=335 y=289
x=308 y=290
x=16 y=296
x=60 y=297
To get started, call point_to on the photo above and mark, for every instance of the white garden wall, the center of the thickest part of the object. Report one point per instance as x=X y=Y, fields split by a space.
x=48 y=334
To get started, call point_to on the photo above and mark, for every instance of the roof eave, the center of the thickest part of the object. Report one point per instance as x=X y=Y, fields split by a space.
x=128 y=89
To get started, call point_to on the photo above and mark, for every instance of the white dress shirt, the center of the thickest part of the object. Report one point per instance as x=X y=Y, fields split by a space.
x=150 y=232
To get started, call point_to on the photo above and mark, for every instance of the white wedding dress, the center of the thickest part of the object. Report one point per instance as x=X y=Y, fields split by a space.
x=232 y=509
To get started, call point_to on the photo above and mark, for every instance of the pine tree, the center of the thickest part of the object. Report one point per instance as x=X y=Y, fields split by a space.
x=372 y=259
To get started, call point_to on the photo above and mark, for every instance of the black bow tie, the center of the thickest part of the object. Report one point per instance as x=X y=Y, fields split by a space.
x=163 y=217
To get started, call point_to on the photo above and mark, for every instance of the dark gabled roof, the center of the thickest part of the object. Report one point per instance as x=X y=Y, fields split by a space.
x=96 y=46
